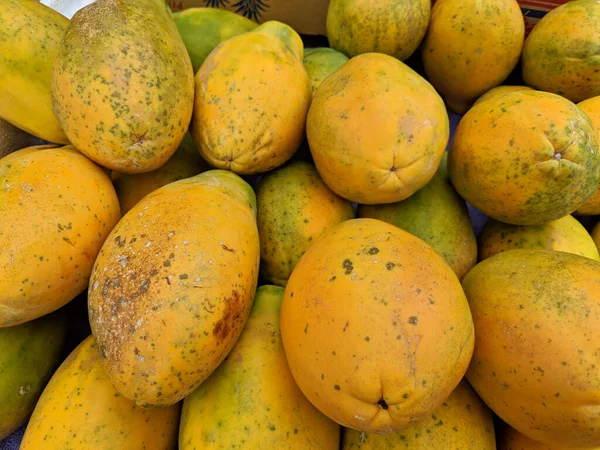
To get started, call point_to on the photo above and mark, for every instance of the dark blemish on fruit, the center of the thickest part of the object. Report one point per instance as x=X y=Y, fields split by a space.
x=144 y=286
x=306 y=329
x=168 y=281
x=413 y=320
x=120 y=241
x=373 y=251
x=336 y=387
x=231 y=315
x=103 y=351
x=347 y=266
x=405 y=396
x=167 y=263
x=227 y=249
x=383 y=404
x=389 y=265
x=332 y=279
x=367 y=338
x=322 y=377
x=172 y=255
x=183 y=276
x=346 y=326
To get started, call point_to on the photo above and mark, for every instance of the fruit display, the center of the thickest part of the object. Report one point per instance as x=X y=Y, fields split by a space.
x=220 y=232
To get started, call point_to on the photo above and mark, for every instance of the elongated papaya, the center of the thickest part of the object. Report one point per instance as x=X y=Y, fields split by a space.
x=80 y=409
x=30 y=36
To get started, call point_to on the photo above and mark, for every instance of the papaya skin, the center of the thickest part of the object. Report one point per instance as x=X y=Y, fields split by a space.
x=29 y=353
x=173 y=285
x=269 y=411
x=29 y=42
x=81 y=409
x=560 y=54
x=294 y=208
x=392 y=27
x=461 y=422
x=525 y=158
x=563 y=235
x=123 y=84
x=241 y=123
x=513 y=440
x=499 y=90
x=436 y=214
x=202 y=29
x=59 y=207
x=377 y=130
x=471 y=46
x=537 y=316
x=591 y=107
x=375 y=326
x=322 y=62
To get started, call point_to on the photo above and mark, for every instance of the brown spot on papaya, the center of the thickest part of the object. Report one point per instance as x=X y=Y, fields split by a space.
x=347 y=266
x=227 y=249
x=231 y=315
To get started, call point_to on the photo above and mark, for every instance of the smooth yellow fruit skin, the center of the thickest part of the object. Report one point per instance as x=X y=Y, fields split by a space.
x=376 y=328
x=30 y=39
x=56 y=209
x=511 y=439
x=462 y=422
x=591 y=107
x=251 y=401
x=392 y=27
x=537 y=322
x=563 y=235
x=80 y=409
x=525 y=158
x=294 y=208
x=123 y=84
x=252 y=97
x=173 y=285
x=471 y=46
x=560 y=54
x=499 y=90
x=377 y=130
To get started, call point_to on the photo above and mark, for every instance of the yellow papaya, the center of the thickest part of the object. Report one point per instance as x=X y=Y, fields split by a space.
x=29 y=353
x=30 y=40
x=322 y=62
x=241 y=122
x=511 y=439
x=251 y=400
x=591 y=107
x=58 y=208
x=499 y=90
x=173 y=285
x=13 y=139
x=294 y=208
x=80 y=409
x=123 y=84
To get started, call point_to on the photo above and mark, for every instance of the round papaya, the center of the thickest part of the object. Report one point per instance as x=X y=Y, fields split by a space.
x=58 y=208
x=322 y=62
x=525 y=158
x=375 y=326
x=537 y=328
x=499 y=90
x=377 y=130
x=591 y=107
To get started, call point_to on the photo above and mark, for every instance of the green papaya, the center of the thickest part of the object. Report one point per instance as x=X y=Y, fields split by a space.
x=322 y=62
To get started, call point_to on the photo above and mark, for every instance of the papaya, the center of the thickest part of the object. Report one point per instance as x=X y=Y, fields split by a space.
x=437 y=215
x=241 y=122
x=173 y=284
x=321 y=62
x=29 y=353
x=376 y=328
x=560 y=54
x=80 y=409
x=202 y=29
x=513 y=440
x=566 y=234
x=251 y=400
x=525 y=158
x=499 y=90
x=591 y=107
x=30 y=40
x=294 y=208
x=462 y=422
x=596 y=235
x=537 y=322
x=185 y=162
x=471 y=46
x=392 y=27
x=13 y=139
x=123 y=84
x=377 y=130
x=58 y=208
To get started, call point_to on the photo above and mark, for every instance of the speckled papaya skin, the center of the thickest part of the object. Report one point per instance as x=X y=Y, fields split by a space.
x=511 y=439
x=322 y=62
x=377 y=130
x=537 y=322
x=499 y=90
x=436 y=214
x=462 y=422
x=564 y=235
x=471 y=46
x=251 y=400
x=392 y=27
x=80 y=409
x=30 y=37
x=252 y=97
x=29 y=353
x=591 y=107
x=560 y=54
x=376 y=328
x=173 y=285
x=56 y=209
x=525 y=158
x=294 y=208
x=123 y=84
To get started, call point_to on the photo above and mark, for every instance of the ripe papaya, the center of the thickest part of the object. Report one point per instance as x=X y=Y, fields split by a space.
x=511 y=439
x=591 y=107
x=499 y=90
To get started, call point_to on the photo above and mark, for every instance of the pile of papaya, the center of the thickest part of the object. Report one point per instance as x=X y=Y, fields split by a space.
x=212 y=237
